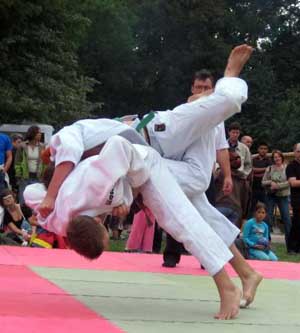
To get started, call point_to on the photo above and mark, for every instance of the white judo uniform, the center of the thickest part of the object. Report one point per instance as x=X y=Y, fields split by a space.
x=104 y=181
x=181 y=134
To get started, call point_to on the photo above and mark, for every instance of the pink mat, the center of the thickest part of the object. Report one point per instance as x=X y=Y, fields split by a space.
x=30 y=304
x=131 y=262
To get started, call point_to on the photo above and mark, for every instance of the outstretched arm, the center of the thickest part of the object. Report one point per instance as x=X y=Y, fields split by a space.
x=60 y=174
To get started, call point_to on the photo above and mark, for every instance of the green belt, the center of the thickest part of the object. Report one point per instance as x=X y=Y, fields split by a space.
x=144 y=122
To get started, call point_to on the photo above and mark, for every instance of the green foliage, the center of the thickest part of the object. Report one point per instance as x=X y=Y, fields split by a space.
x=62 y=60
x=39 y=74
x=107 y=54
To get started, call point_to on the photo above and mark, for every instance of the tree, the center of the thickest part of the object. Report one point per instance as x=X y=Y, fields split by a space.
x=40 y=79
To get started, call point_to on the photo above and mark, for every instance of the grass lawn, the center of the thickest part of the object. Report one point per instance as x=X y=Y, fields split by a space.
x=279 y=249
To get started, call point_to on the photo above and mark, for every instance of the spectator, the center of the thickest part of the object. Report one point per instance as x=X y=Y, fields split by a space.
x=142 y=232
x=256 y=236
x=28 y=163
x=278 y=191
x=293 y=176
x=247 y=140
x=15 y=217
x=5 y=159
x=203 y=82
x=260 y=164
x=16 y=143
x=242 y=174
x=230 y=204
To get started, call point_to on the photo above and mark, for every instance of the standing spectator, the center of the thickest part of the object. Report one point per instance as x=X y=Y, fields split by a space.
x=255 y=235
x=245 y=169
x=5 y=159
x=278 y=191
x=247 y=140
x=28 y=163
x=293 y=176
x=142 y=232
x=260 y=164
x=230 y=204
x=203 y=81
x=16 y=142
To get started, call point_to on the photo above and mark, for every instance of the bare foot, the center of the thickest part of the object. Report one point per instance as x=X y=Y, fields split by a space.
x=237 y=60
x=230 y=304
x=250 y=285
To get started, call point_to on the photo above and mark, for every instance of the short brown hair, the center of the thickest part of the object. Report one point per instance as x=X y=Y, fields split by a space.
x=203 y=75
x=4 y=193
x=86 y=237
x=234 y=126
x=260 y=205
x=276 y=151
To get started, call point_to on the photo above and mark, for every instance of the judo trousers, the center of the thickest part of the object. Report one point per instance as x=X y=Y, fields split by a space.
x=178 y=217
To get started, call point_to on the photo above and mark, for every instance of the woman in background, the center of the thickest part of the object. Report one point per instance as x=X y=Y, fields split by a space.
x=28 y=164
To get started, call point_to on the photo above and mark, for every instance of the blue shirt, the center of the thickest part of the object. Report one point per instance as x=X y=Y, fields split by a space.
x=254 y=231
x=5 y=145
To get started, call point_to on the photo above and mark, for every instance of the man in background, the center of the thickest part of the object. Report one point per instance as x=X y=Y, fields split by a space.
x=243 y=173
x=247 y=140
x=5 y=159
x=203 y=81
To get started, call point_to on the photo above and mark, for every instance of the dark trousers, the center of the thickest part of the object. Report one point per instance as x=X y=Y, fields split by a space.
x=157 y=238
x=174 y=249
x=294 y=236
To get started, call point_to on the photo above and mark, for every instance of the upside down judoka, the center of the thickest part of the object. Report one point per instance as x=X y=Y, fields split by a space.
x=188 y=123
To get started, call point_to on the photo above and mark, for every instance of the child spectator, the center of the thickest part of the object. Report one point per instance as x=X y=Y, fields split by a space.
x=142 y=232
x=256 y=235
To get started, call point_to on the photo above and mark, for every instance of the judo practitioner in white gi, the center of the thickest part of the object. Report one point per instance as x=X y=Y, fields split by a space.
x=104 y=181
x=186 y=124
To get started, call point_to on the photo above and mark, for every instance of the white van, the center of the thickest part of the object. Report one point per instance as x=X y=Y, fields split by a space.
x=9 y=129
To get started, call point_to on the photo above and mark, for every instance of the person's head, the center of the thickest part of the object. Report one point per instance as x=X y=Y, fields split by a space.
x=247 y=140
x=234 y=131
x=263 y=149
x=34 y=133
x=296 y=150
x=277 y=157
x=87 y=237
x=235 y=160
x=202 y=81
x=16 y=140
x=7 y=198
x=260 y=212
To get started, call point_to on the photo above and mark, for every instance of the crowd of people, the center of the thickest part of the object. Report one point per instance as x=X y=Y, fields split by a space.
x=200 y=190
x=21 y=165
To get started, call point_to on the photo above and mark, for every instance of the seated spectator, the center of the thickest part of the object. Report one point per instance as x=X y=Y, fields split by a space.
x=15 y=221
x=277 y=191
x=256 y=235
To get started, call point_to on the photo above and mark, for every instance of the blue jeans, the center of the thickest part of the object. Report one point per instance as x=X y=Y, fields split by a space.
x=262 y=255
x=283 y=205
